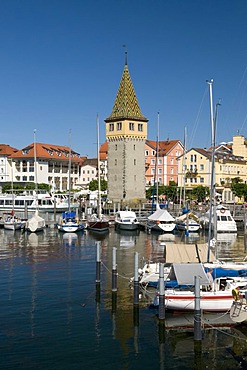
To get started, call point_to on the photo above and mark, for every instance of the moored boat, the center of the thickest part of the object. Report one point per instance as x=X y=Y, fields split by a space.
x=126 y=220
x=162 y=221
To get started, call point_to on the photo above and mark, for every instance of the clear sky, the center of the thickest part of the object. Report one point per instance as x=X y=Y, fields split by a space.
x=61 y=62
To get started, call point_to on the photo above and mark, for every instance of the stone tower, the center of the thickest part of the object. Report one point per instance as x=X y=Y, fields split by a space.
x=126 y=133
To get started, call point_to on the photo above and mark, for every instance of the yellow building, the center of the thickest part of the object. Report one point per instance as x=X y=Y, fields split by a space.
x=194 y=168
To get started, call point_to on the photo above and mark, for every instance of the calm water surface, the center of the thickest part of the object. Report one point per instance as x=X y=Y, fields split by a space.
x=52 y=317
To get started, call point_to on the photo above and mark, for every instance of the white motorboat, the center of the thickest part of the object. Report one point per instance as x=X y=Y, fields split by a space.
x=161 y=220
x=238 y=311
x=217 y=299
x=126 y=220
x=188 y=222
x=222 y=220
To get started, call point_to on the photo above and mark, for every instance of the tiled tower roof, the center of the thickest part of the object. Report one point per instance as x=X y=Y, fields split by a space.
x=126 y=104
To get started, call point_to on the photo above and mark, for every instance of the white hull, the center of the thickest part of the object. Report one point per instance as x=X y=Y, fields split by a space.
x=13 y=225
x=191 y=227
x=161 y=226
x=126 y=226
x=218 y=300
x=69 y=227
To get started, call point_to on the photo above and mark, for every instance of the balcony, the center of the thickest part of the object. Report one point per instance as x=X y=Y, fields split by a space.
x=191 y=174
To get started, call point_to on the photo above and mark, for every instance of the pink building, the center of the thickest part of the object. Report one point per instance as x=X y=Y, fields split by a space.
x=167 y=167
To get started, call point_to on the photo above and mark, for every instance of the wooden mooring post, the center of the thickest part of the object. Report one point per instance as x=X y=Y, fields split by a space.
x=136 y=281
x=114 y=269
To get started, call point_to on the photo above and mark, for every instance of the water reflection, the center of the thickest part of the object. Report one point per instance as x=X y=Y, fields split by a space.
x=48 y=294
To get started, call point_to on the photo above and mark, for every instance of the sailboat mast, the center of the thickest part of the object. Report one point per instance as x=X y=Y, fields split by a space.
x=98 y=164
x=69 y=169
x=35 y=159
x=212 y=185
x=157 y=155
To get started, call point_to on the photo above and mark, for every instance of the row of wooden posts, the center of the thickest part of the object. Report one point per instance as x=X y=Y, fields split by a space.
x=161 y=311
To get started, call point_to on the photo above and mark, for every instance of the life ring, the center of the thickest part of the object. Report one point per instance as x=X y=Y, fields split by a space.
x=222 y=210
x=235 y=294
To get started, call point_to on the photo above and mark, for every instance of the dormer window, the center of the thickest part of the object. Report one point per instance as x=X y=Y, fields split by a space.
x=119 y=126
x=111 y=127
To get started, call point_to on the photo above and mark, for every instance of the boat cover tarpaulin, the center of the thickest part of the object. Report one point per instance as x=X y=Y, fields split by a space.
x=186 y=272
x=183 y=253
x=161 y=215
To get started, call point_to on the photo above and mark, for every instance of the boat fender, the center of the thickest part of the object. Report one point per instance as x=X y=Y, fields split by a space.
x=235 y=294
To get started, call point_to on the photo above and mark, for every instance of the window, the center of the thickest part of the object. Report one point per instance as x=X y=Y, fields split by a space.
x=160 y=161
x=153 y=152
x=119 y=126
x=134 y=147
x=160 y=171
x=146 y=152
x=131 y=126
x=172 y=171
x=111 y=127
x=171 y=160
x=140 y=127
x=201 y=180
x=134 y=162
x=115 y=146
x=115 y=162
x=40 y=168
x=153 y=171
x=31 y=178
x=24 y=178
x=201 y=167
x=152 y=161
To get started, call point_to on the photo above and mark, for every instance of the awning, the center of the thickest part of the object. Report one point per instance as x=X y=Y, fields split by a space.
x=186 y=272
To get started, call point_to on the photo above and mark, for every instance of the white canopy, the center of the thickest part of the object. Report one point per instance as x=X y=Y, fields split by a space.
x=161 y=215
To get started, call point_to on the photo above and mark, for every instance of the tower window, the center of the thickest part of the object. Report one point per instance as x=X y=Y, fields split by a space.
x=115 y=162
x=140 y=127
x=134 y=162
x=131 y=126
x=111 y=127
x=119 y=126
x=134 y=147
x=115 y=146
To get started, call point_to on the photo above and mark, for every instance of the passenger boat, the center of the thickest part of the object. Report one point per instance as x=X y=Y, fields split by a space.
x=162 y=221
x=126 y=220
x=28 y=201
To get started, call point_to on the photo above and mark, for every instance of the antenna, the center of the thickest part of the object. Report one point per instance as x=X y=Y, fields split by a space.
x=126 y=54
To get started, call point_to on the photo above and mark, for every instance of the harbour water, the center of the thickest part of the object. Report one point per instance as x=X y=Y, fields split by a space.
x=53 y=317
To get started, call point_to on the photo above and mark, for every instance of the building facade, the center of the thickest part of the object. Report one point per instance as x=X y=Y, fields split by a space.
x=161 y=161
x=52 y=164
x=126 y=133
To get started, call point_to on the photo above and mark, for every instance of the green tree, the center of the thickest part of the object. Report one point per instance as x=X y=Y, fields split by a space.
x=93 y=185
x=240 y=190
x=200 y=193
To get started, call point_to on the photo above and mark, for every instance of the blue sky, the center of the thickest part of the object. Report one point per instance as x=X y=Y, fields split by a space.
x=61 y=62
